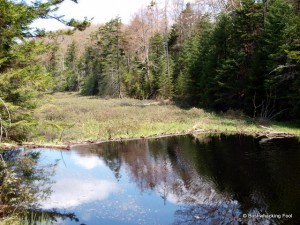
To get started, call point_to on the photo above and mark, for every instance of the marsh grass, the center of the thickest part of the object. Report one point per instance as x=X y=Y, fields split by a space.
x=68 y=117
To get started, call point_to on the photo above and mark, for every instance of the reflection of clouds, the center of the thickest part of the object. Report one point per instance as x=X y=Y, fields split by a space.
x=87 y=162
x=198 y=191
x=173 y=198
x=187 y=196
x=69 y=193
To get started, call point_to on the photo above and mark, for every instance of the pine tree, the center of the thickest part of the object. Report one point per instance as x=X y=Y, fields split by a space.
x=55 y=65
x=91 y=68
x=105 y=61
x=22 y=76
x=281 y=49
x=71 y=71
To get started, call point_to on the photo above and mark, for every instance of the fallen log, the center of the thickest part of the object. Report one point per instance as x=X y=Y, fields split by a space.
x=52 y=146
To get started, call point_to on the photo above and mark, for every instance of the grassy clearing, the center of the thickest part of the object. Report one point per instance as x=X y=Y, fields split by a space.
x=68 y=117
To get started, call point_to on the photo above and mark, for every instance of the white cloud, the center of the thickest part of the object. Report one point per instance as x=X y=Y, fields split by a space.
x=68 y=193
x=87 y=162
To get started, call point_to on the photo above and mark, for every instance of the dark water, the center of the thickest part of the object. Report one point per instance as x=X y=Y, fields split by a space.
x=178 y=180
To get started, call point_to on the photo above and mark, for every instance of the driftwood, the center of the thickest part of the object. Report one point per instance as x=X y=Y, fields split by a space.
x=269 y=136
x=56 y=146
x=273 y=135
x=8 y=146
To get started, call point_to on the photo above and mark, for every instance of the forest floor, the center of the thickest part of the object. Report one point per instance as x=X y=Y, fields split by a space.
x=71 y=118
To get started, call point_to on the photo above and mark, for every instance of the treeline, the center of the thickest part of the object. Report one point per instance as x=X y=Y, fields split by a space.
x=215 y=54
x=245 y=56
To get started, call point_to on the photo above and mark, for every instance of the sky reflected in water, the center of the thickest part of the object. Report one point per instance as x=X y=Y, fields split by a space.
x=177 y=180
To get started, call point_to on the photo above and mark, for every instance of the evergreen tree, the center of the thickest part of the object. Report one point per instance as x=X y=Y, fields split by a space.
x=91 y=68
x=22 y=76
x=55 y=65
x=196 y=58
x=182 y=48
x=105 y=61
x=71 y=71
x=280 y=47
x=160 y=68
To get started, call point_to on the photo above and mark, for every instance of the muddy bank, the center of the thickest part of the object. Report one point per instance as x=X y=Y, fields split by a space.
x=68 y=146
x=258 y=135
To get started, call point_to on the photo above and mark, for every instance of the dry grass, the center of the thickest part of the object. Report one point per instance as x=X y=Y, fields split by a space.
x=68 y=117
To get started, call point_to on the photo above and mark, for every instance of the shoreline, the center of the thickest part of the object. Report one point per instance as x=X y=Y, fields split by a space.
x=69 y=146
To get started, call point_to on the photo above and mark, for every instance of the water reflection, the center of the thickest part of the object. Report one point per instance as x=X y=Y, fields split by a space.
x=179 y=180
x=262 y=178
x=65 y=192
x=87 y=162
x=24 y=183
x=168 y=168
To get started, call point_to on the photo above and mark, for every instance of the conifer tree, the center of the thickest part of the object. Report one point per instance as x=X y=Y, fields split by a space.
x=71 y=70
x=22 y=76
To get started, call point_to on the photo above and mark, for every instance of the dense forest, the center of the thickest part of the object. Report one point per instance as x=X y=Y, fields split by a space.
x=218 y=55
x=242 y=55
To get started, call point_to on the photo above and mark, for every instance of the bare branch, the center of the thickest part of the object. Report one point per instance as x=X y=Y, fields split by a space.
x=2 y=128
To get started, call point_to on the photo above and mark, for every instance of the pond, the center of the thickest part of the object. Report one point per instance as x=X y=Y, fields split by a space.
x=204 y=179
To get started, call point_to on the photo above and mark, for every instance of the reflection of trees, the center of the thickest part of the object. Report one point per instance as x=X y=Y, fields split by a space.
x=36 y=216
x=257 y=177
x=207 y=172
x=146 y=172
x=226 y=212
x=109 y=152
x=24 y=182
x=112 y=159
